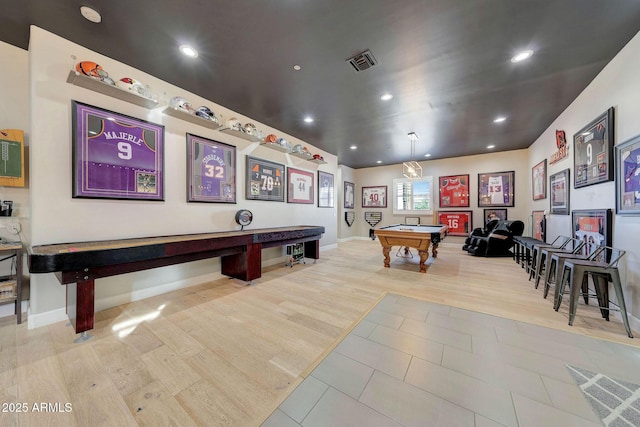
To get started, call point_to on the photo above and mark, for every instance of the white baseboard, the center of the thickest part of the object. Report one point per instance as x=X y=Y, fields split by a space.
x=46 y=318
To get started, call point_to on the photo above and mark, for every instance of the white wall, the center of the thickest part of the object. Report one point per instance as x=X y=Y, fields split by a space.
x=516 y=161
x=57 y=217
x=618 y=85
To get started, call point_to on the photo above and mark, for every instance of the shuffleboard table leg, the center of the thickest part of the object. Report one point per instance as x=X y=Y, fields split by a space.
x=80 y=305
x=84 y=336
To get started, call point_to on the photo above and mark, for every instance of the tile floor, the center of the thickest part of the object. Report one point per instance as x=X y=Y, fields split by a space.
x=416 y=363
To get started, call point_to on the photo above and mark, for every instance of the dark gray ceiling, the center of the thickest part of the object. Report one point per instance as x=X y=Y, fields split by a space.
x=447 y=63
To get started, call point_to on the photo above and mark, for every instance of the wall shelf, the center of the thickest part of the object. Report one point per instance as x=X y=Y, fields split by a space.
x=274 y=146
x=96 y=85
x=318 y=161
x=241 y=134
x=303 y=156
x=192 y=118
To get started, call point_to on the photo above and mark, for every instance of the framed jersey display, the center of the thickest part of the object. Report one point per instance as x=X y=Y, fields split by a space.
x=374 y=197
x=593 y=156
x=559 y=190
x=628 y=177
x=539 y=181
x=593 y=227
x=454 y=191
x=116 y=156
x=264 y=180
x=458 y=222
x=300 y=185
x=211 y=169
x=538 y=225
x=496 y=189
x=325 y=190
x=349 y=195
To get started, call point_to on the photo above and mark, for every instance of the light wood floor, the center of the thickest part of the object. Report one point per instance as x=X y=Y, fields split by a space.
x=222 y=353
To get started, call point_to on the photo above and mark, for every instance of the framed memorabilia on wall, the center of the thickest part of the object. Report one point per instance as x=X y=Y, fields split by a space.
x=300 y=186
x=459 y=223
x=496 y=189
x=491 y=214
x=211 y=170
x=454 y=191
x=325 y=190
x=264 y=180
x=593 y=156
x=374 y=197
x=116 y=156
x=349 y=195
x=539 y=180
x=559 y=188
x=593 y=227
x=538 y=225
x=628 y=177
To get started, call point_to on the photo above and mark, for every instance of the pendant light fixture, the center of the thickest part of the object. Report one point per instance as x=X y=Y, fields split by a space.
x=412 y=169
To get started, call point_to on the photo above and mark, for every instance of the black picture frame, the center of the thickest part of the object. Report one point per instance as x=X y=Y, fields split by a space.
x=559 y=190
x=211 y=170
x=628 y=177
x=349 y=195
x=491 y=214
x=325 y=190
x=125 y=159
x=593 y=151
x=593 y=226
x=264 y=180
x=496 y=189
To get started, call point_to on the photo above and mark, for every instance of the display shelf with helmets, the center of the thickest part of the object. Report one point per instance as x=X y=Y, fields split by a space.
x=191 y=118
x=275 y=143
x=96 y=85
x=317 y=158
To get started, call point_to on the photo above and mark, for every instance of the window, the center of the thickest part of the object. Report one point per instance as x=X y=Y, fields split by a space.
x=412 y=196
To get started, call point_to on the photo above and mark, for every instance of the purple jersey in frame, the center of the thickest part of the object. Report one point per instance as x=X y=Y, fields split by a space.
x=116 y=156
x=211 y=170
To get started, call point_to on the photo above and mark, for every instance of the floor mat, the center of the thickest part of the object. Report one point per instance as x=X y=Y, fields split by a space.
x=616 y=402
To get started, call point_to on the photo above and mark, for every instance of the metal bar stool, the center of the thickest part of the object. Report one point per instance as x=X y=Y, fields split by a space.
x=603 y=270
x=556 y=265
x=560 y=242
x=573 y=247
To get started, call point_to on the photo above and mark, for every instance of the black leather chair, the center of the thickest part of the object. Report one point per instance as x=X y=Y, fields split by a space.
x=495 y=240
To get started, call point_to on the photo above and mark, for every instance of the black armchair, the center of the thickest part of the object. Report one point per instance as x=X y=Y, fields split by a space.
x=495 y=240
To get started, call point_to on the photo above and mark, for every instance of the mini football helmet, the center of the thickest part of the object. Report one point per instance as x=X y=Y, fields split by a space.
x=250 y=129
x=318 y=157
x=206 y=113
x=234 y=123
x=91 y=69
x=134 y=86
x=284 y=143
x=297 y=149
x=181 y=103
x=271 y=138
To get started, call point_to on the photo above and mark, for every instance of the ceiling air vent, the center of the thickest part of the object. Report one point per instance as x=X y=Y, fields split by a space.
x=363 y=60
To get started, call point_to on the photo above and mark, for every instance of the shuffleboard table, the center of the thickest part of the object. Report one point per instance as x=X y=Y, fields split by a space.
x=77 y=265
x=414 y=236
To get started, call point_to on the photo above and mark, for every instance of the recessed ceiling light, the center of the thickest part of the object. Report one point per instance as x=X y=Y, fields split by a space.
x=187 y=50
x=427 y=155
x=521 y=56
x=90 y=14
x=354 y=147
x=308 y=119
x=499 y=119
x=491 y=146
x=379 y=161
x=386 y=97
x=297 y=67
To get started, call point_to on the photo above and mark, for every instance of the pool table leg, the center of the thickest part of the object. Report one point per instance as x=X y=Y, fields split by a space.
x=424 y=255
x=387 y=259
x=434 y=249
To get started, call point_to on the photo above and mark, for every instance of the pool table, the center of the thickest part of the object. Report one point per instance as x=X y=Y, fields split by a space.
x=414 y=236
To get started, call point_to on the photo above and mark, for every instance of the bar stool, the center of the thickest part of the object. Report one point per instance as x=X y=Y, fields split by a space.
x=556 y=266
x=573 y=247
x=602 y=272
x=560 y=242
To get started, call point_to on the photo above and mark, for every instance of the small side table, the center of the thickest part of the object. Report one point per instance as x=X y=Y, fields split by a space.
x=9 y=250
